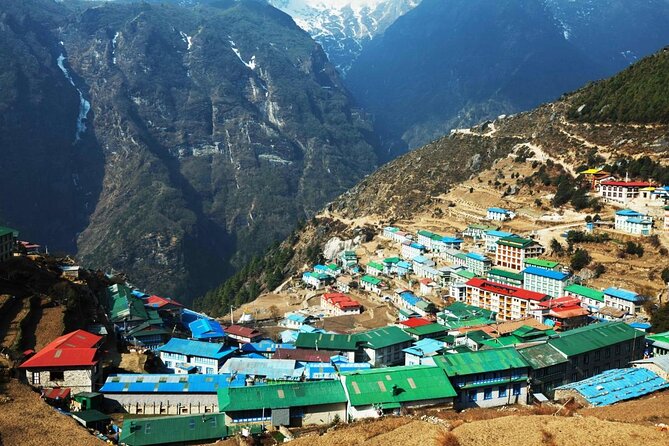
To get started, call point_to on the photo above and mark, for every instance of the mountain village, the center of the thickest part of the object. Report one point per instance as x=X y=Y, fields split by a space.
x=481 y=318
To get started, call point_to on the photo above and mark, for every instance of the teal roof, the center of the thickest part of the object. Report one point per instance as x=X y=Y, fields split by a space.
x=5 y=230
x=327 y=341
x=397 y=385
x=481 y=361
x=175 y=429
x=279 y=396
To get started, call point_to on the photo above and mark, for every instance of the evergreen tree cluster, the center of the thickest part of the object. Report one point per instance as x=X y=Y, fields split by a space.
x=637 y=94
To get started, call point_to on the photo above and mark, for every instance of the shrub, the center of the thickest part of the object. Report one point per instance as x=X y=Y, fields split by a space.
x=446 y=438
x=580 y=259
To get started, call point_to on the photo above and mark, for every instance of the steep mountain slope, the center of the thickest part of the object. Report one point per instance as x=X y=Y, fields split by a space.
x=449 y=64
x=217 y=127
x=344 y=27
x=522 y=157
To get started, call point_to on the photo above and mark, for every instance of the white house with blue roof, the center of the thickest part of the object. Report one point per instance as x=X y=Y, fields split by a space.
x=491 y=237
x=546 y=281
x=622 y=299
x=499 y=214
x=423 y=351
x=410 y=249
x=294 y=320
x=633 y=222
x=477 y=263
x=184 y=356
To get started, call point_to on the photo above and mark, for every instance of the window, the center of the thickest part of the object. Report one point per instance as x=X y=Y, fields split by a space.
x=191 y=424
x=36 y=378
x=502 y=392
x=147 y=428
x=472 y=395
x=487 y=393
x=516 y=389
x=56 y=376
x=607 y=352
x=586 y=359
x=618 y=349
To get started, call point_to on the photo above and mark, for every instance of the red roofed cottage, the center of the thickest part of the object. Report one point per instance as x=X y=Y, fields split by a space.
x=69 y=361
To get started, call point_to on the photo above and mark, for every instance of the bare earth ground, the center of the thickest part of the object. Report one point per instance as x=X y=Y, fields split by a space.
x=27 y=421
x=50 y=325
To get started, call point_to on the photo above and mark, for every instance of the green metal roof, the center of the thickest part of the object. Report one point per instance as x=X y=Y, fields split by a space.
x=661 y=337
x=175 y=429
x=279 y=396
x=515 y=242
x=541 y=263
x=506 y=274
x=542 y=355
x=427 y=329
x=503 y=341
x=484 y=227
x=375 y=265
x=392 y=260
x=455 y=324
x=5 y=230
x=585 y=292
x=481 y=361
x=128 y=308
x=460 y=310
x=594 y=337
x=384 y=337
x=327 y=341
x=465 y=273
x=396 y=385
x=372 y=280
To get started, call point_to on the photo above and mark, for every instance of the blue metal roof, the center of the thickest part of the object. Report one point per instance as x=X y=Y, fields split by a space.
x=555 y=275
x=617 y=385
x=409 y=297
x=206 y=329
x=629 y=213
x=476 y=256
x=424 y=347
x=403 y=264
x=417 y=245
x=420 y=259
x=265 y=346
x=498 y=210
x=276 y=369
x=197 y=348
x=171 y=383
x=500 y=234
x=623 y=294
x=451 y=240
x=640 y=221
x=188 y=316
x=299 y=318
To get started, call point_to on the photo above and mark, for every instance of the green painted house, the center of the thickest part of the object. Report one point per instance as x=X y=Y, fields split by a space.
x=173 y=430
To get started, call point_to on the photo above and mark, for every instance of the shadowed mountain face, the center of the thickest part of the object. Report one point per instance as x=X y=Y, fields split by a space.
x=171 y=143
x=452 y=63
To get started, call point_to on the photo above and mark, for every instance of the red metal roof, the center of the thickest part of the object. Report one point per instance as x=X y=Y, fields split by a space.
x=340 y=300
x=58 y=393
x=506 y=290
x=415 y=322
x=568 y=311
x=75 y=349
x=244 y=332
x=566 y=301
x=159 y=302
x=626 y=183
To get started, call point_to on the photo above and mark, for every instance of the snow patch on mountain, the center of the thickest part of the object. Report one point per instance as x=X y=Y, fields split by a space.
x=343 y=27
x=84 y=105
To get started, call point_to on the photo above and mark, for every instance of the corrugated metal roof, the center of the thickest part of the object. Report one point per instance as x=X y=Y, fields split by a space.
x=427 y=329
x=176 y=429
x=594 y=336
x=542 y=355
x=397 y=385
x=481 y=361
x=617 y=385
x=197 y=348
x=274 y=369
x=384 y=337
x=170 y=383
x=280 y=396
x=548 y=273
x=623 y=294
x=584 y=291
x=541 y=263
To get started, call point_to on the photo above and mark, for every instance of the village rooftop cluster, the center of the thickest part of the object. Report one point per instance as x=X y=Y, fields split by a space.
x=482 y=321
